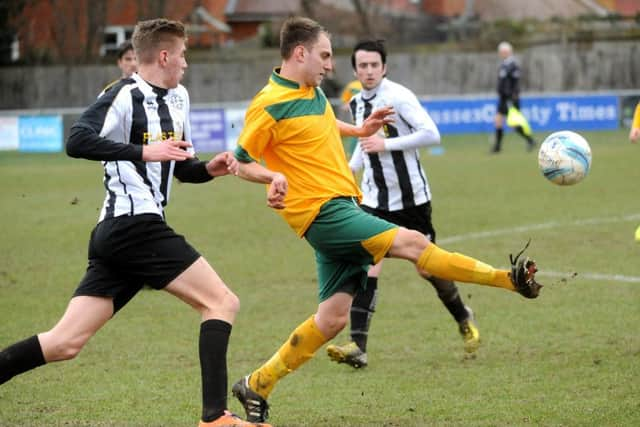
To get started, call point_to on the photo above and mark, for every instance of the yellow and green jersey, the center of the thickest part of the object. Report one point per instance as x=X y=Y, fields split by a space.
x=352 y=88
x=294 y=131
x=635 y=124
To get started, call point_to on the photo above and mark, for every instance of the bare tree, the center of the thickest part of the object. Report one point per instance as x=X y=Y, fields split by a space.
x=10 y=22
x=363 y=16
x=96 y=20
x=77 y=33
x=308 y=9
x=150 y=9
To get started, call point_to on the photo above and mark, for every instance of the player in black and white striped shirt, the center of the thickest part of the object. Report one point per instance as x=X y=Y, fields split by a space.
x=139 y=130
x=395 y=188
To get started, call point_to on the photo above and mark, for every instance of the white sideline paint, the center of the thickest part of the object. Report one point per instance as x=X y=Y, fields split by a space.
x=541 y=226
x=591 y=276
x=554 y=224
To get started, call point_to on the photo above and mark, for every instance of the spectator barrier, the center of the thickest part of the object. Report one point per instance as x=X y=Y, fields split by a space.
x=216 y=127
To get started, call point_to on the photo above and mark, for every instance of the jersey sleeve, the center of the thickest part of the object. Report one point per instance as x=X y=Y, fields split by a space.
x=425 y=131
x=350 y=90
x=186 y=133
x=99 y=134
x=190 y=170
x=635 y=124
x=356 y=162
x=256 y=135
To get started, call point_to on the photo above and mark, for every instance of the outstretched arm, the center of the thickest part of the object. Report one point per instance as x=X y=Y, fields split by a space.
x=375 y=121
x=197 y=171
x=420 y=138
x=84 y=142
x=425 y=131
x=278 y=184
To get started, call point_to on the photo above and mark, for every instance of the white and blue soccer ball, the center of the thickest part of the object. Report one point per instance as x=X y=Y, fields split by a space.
x=565 y=158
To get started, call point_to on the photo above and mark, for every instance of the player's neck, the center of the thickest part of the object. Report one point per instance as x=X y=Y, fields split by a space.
x=290 y=72
x=152 y=76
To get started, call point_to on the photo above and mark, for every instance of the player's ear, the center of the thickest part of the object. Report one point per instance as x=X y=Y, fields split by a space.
x=299 y=53
x=163 y=57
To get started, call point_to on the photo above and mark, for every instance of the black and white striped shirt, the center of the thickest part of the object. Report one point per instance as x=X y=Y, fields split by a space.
x=128 y=115
x=394 y=179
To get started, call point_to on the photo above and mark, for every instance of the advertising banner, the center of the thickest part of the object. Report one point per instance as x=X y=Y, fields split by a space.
x=545 y=113
x=207 y=130
x=234 y=122
x=9 y=132
x=40 y=133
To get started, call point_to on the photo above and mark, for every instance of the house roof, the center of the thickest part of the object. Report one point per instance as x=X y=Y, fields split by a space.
x=258 y=10
x=491 y=10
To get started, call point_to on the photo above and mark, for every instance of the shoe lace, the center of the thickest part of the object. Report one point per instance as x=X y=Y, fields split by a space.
x=259 y=405
x=513 y=259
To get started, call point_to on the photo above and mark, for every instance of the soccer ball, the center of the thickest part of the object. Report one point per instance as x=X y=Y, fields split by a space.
x=564 y=158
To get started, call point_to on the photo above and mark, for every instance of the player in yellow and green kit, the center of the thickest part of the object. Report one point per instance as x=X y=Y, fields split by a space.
x=350 y=90
x=634 y=136
x=291 y=127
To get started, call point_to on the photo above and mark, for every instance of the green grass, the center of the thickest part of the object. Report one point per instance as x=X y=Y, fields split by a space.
x=570 y=358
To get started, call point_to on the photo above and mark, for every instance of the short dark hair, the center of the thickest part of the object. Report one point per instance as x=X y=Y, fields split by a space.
x=149 y=35
x=124 y=47
x=298 y=30
x=369 y=46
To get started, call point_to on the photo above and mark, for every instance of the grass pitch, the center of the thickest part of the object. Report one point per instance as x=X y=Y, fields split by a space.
x=571 y=357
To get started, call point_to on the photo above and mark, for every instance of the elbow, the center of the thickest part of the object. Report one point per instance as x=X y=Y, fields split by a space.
x=72 y=147
x=434 y=137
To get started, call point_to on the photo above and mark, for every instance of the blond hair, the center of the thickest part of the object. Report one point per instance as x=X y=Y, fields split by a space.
x=150 y=36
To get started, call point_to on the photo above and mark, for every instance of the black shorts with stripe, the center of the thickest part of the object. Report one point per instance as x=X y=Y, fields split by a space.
x=129 y=252
x=503 y=104
x=416 y=218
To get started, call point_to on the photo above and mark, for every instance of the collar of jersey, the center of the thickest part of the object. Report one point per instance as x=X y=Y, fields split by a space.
x=156 y=89
x=278 y=79
x=368 y=95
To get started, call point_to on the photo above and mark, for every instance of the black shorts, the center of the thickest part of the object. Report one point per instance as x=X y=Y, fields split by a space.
x=128 y=252
x=503 y=104
x=416 y=218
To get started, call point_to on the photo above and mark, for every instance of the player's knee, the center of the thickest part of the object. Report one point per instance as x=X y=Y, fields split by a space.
x=69 y=348
x=341 y=322
x=409 y=244
x=70 y=352
x=417 y=240
x=223 y=302
x=332 y=326
x=231 y=302
x=424 y=273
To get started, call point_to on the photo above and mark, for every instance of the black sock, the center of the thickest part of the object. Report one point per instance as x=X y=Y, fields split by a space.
x=520 y=131
x=448 y=294
x=20 y=357
x=214 y=339
x=498 y=142
x=362 y=309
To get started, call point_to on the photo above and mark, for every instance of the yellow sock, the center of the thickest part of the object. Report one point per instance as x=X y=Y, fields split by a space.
x=455 y=266
x=305 y=340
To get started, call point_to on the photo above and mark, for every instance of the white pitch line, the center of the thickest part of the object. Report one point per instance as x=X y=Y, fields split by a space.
x=541 y=226
x=554 y=224
x=591 y=276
